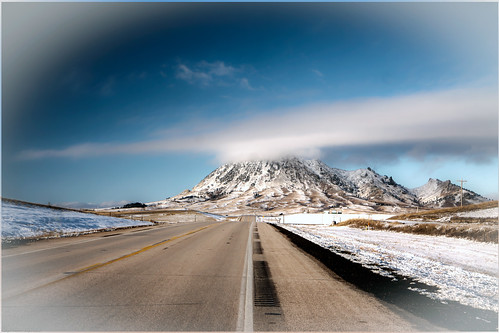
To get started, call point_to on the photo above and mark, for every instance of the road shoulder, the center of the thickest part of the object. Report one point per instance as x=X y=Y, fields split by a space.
x=315 y=299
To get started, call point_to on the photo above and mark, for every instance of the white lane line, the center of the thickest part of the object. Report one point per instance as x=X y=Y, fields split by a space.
x=48 y=248
x=245 y=314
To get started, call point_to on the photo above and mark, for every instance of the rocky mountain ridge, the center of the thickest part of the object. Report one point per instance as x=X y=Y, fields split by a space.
x=294 y=185
x=438 y=194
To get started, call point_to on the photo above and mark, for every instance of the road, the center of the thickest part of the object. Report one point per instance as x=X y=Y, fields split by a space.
x=204 y=276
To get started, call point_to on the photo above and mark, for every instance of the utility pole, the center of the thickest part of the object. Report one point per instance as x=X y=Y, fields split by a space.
x=462 y=181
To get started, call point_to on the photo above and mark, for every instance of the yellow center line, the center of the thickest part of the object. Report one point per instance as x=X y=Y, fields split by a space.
x=99 y=265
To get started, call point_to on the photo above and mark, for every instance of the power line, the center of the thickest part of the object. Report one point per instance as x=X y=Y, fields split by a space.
x=462 y=181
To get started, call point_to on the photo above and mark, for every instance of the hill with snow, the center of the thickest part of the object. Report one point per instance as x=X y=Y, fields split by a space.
x=437 y=193
x=22 y=220
x=293 y=185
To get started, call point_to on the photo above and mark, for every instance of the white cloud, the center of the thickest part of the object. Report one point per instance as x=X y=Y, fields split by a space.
x=442 y=119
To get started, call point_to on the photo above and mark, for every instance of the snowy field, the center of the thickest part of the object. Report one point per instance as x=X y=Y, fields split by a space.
x=464 y=271
x=26 y=221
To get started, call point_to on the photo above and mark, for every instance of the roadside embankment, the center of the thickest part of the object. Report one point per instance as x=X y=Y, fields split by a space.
x=400 y=291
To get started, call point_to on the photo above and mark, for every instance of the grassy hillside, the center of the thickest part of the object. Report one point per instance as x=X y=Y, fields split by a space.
x=25 y=203
x=435 y=214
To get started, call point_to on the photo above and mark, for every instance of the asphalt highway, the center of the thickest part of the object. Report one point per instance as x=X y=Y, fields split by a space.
x=204 y=276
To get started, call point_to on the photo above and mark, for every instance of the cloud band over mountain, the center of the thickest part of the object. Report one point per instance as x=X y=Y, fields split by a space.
x=454 y=122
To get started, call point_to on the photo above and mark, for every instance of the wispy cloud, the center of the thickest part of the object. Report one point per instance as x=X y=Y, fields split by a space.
x=137 y=75
x=107 y=87
x=204 y=73
x=244 y=82
x=317 y=72
x=193 y=76
x=212 y=73
x=458 y=122
x=217 y=68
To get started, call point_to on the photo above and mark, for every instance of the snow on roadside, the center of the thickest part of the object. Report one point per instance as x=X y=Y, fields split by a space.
x=26 y=221
x=464 y=271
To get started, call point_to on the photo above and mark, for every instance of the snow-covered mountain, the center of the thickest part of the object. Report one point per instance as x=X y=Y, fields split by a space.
x=298 y=185
x=437 y=193
x=289 y=185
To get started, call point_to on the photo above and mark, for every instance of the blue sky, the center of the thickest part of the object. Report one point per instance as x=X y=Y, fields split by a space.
x=111 y=102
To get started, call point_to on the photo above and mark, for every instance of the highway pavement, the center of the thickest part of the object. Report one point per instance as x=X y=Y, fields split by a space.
x=203 y=276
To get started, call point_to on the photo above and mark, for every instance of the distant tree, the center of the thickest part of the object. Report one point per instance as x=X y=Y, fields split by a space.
x=135 y=205
x=214 y=195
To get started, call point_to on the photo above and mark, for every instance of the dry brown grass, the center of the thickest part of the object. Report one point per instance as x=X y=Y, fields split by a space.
x=480 y=233
x=155 y=216
x=132 y=211
x=439 y=213
x=488 y=220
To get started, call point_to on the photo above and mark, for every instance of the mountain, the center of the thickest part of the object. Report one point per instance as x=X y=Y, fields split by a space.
x=437 y=193
x=291 y=185
x=294 y=185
